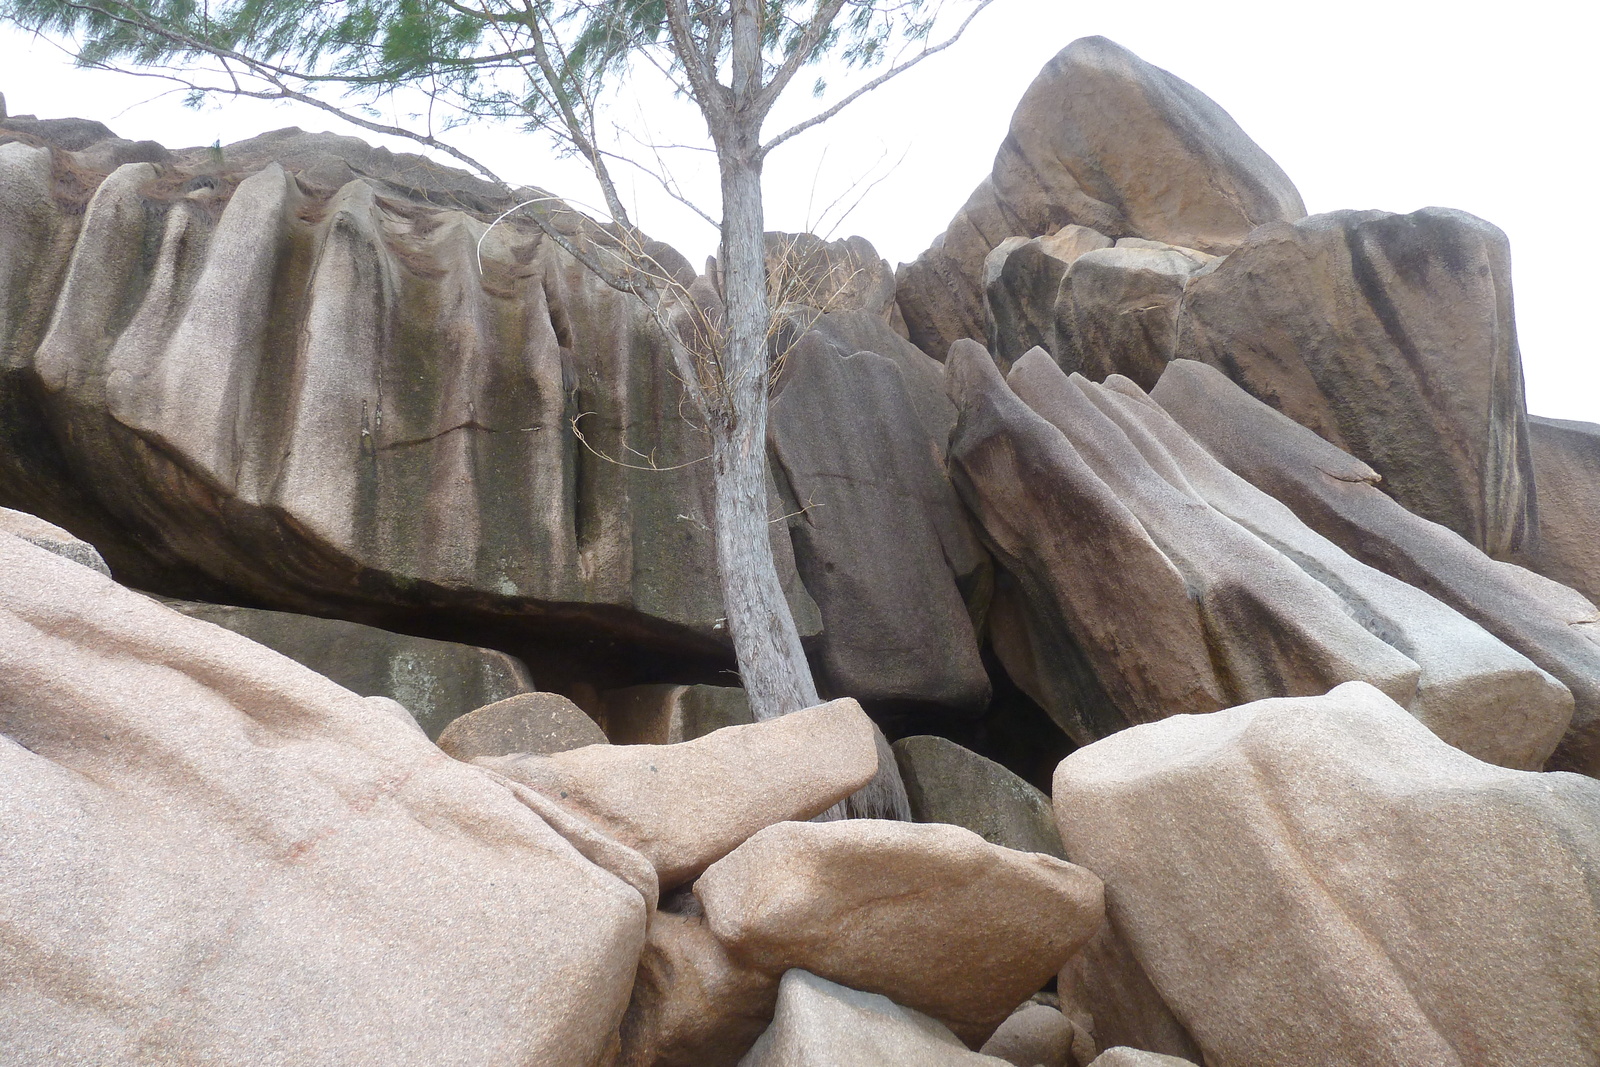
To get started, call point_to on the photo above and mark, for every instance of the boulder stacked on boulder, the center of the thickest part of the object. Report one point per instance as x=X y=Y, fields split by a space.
x=1243 y=506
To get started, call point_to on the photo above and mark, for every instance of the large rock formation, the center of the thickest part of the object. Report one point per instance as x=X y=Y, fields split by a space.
x=1566 y=465
x=1392 y=336
x=1105 y=140
x=1353 y=890
x=213 y=854
x=239 y=382
x=1337 y=495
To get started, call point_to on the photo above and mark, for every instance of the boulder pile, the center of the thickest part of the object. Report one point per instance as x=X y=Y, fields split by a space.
x=1233 y=622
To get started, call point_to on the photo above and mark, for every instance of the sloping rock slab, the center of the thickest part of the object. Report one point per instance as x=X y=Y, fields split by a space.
x=1354 y=891
x=951 y=784
x=211 y=854
x=1337 y=496
x=437 y=681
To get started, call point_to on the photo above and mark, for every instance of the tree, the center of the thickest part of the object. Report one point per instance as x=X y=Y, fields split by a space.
x=548 y=64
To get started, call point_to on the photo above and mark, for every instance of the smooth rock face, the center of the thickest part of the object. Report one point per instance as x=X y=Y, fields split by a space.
x=931 y=916
x=1034 y=1035
x=950 y=784
x=1473 y=690
x=667 y=714
x=821 y=1024
x=415 y=449
x=1105 y=140
x=1335 y=494
x=685 y=806
x=692 y=1005
x=1566 y=467
x=52 y=538
x=1354 y=890
x=875 y=510
x=1392 y=337
x=212 y=854
x=539 y=723
x=437 y=681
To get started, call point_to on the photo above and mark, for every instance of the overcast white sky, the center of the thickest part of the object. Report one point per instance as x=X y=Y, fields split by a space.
x=1393 y=104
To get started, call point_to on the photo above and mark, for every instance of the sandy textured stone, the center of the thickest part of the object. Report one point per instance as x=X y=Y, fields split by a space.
x=540 y=723
x=1111 y=1000
x=1034 y=1035
x=52 y=538
x=1473 y=690
x=692 y=1005
x=950 y=784
x=1336 y=495
x=212 y=854
x=821 y=1024
x=931 y=916
x=1566 y=470
x=1105 y=140
x=687 y=805
x=667 y=714
x=437 y=681
x=1122 y=1056
x=1392 y=337
x=1354 y=891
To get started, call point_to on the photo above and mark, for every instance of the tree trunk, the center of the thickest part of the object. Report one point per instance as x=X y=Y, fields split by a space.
x=766 y=642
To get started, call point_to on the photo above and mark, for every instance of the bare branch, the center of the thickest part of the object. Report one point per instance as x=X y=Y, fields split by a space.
x=888 y=75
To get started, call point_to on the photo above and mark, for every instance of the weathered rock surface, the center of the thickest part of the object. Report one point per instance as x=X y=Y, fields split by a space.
x=947 y=783
x=538 y=723
x=52 y=538
x=1111 y=1001
x=1034 y=1035
x=1122 y=1056
x=1566 y=468
x=1336 y=495
x=212 y=854
x=875 y=512
x=931 y=916
x=437 y=681
x=1105 y=140
x=1117 y=309
x=692 y=1004
x=1021 y=284
x=1473 y=690
x=1270 y=628
x=821 y=1024
x=1392 y=337
x=1354 y=890
x=687 y=805
x=284 y=380
x=1078 y=568
x=667 y=714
